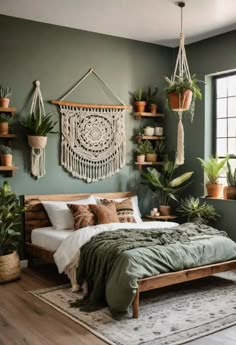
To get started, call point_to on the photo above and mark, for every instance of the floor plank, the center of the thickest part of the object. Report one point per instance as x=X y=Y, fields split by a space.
x=25 y=320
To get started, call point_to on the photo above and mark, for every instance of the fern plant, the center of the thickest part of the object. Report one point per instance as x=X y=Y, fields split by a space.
x=231 y=176
x=212 y=168
x=193 y=210
x=39 y=124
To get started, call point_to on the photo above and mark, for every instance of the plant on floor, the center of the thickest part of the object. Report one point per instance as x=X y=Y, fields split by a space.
x=230 y=190
x=212 y=168
x=194 y=210
x=166 y=184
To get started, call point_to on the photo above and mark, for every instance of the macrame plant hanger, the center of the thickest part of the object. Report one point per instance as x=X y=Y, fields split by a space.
x=93 y=136
x=181 y=67
x=37 y=143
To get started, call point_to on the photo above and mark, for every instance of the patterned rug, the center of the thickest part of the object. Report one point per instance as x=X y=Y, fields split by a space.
x=168 y=316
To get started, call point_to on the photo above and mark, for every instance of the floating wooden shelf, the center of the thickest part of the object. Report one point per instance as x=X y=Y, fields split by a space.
x=140 y=165
x=7 y=136
x=149 y=137
x=161 y=217
x=7 y=110
x=139 y=115
x=8 y=170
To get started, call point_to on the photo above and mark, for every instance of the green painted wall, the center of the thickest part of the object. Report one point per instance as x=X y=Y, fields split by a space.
x=59 y=57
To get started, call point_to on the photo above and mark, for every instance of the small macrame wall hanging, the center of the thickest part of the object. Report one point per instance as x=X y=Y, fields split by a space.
x=93 y=145
x=37 y=143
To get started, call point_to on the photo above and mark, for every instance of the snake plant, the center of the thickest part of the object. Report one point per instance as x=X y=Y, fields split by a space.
x=39 y=124
x=231 y=176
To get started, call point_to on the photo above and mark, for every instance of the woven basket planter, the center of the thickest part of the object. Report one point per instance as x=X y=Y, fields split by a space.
x=9 y=267
x=37 y=142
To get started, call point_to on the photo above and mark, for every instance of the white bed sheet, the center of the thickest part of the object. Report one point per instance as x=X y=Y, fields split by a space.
x=49 y=238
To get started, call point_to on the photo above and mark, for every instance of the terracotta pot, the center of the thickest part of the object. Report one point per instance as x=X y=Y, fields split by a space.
x=140 y=106
x=6 y=160
x=214 y=190
x=180 y=102
x=9 y=267
x=151 y=157
x=4 y=128
x=140 y=158
x=4 y=102
x=230 y=193
x=37 y=142
x=165 y=210
x=153 y=108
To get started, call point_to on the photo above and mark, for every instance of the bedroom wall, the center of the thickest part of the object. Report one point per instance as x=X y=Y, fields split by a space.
x=59 y=57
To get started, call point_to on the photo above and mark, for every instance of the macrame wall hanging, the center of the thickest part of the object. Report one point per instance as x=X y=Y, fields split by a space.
x=37 y=143
x=93 y=145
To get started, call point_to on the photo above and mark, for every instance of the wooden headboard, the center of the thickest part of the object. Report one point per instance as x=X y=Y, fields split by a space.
x=36 y=216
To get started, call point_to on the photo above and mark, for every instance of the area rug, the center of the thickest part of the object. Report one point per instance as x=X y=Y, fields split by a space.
x=168 y=316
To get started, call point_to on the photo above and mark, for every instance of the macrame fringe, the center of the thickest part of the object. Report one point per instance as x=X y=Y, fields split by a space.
x=38 y=162
x=180 y=143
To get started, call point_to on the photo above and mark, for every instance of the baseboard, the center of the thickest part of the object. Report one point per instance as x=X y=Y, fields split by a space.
x=23 y=263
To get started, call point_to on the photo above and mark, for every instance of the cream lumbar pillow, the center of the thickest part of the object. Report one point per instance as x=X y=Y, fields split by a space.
x=60 y=215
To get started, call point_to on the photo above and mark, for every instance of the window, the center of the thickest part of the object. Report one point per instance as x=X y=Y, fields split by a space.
x=225 y=119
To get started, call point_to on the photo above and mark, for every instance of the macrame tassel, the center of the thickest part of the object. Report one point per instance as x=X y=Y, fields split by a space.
x=180 y=143
x=38 y=162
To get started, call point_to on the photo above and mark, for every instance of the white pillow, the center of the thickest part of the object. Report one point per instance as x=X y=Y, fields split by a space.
x=134 y=199
x=60 y=215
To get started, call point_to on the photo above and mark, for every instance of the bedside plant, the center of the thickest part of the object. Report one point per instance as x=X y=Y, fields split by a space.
x=5 y=93
x=10 y=217
x=230 y=190
x=6 y=155
x=212 y=168
x=166 y=184
x=193 y=210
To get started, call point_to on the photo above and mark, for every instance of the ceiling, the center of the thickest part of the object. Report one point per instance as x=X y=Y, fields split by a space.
x=154 y=21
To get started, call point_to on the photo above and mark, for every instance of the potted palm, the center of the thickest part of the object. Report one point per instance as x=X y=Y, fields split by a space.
x=4 y=124
x=38 y=127
x=151 y=151
x=230 y=190
x=212 y=168
x=5 y=93
x=139 y=100
x=191 y=209
x=6 y=155
x=10 y=217
x=151 y=99
x=166 y=184
x=182 y=93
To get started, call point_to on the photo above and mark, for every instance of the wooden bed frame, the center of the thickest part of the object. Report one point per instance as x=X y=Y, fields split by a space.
x=36 y=217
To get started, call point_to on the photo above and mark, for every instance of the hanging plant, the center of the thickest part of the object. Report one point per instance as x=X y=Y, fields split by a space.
x=182 y=94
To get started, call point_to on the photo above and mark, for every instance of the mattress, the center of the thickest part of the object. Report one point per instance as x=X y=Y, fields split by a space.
x=49 y=238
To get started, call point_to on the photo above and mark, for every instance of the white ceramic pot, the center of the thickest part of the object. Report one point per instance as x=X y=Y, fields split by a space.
x=149 y=131
x=158 y=131
x=140 y=158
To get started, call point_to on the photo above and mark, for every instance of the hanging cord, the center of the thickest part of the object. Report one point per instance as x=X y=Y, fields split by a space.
x=84 y=77
x=37 y=97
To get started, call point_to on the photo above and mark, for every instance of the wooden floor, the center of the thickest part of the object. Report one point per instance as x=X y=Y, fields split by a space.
x=25 y=320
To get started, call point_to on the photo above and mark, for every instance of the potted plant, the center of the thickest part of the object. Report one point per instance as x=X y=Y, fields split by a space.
x=4 y=124
x=38 y=127
x=5 y=93
x=230 y=190
x=10 y=217
x=212 y=168
x=141 y=150
x=165 y=184
x=182 y=94
x=193 y=210
x=6 y=155
x=139 y=100
x=151 y=151
x=151 y=99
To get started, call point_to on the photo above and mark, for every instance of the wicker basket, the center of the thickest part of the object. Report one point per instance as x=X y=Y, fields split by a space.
x=9 y=267
x=37 y=142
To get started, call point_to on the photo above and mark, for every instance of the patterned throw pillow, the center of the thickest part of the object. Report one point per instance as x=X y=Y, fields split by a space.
x=105 y=214
x=82 y=215
x=124 y=210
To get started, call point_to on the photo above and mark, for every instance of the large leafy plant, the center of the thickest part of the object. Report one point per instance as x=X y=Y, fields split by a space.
x=212 y=168
x=10 y=216
x=194 y=210
x=39 y=124
x=166 y=184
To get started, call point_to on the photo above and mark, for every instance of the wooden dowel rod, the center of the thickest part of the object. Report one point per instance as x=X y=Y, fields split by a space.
x=81 y=105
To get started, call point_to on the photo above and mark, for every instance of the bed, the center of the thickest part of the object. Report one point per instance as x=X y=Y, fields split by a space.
x=36 y=218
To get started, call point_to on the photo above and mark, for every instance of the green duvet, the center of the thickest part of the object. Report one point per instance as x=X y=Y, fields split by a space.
x=112 y=262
